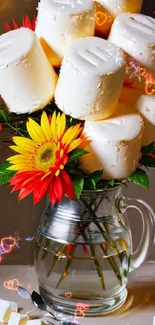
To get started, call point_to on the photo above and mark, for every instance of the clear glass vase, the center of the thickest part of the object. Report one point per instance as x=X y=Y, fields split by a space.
x=83 y=251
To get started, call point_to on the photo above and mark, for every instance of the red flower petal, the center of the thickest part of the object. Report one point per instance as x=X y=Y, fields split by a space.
x=85 y=249
x=52 y=195
x=58 y=188
x=41 y=188
x=1 y=127
x=34 y=22
x=24 y=192
x=69 y=248
x=67 y=184
x=7 y=27
x=19 y=177
x=151 y=155
x=15 y=24
x=27 y=22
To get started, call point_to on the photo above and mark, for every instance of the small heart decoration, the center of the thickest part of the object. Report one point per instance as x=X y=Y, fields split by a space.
x=101 y=18
x=11 y=284
x=68 y=295
x=7 y=244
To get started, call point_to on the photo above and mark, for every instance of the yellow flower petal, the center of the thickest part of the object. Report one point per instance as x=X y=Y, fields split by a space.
x=17 y=149
x=46 y=126
x=35 y=131
x=71 y=134
x=54 y=127
x=61 y=126
x=24 y=143
x=58 y=118
x=74 y=144
x=20 y=157
x=20 y=167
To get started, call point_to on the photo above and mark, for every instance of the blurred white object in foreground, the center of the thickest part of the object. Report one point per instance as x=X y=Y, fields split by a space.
x=60 y=22
x=27 y=80
x=115 y=143
x=91 y=78
x=6 y=308
x=18 y=319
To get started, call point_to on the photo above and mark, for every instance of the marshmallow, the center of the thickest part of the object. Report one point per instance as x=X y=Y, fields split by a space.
x=18 y=319
x=106 y=11
x=135 y=34
x=115 y=143
x=27 y=80
x=91 y=78
x=146 y=106
x=60 y=22
x=6 y=308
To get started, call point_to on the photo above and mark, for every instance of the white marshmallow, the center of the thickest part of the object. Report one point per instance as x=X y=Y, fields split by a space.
x=135 y=34
x=90 y=80
x=107 y=10
x=146 y=106
x=27 y=80
x=60 y=22
x=6 y=308
x=115 y=143
x=18 y=319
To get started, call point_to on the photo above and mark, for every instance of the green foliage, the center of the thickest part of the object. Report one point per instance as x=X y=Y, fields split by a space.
x=148 y=149
x=140 y=178
x=91 y=180
x=76 y=154
x=3 y=116
x=78 y=184
x=5 y=174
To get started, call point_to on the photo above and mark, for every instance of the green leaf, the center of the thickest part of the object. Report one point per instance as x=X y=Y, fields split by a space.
x=77 y=153
x=97 y=175
x=3 y=115
x=111 y=182
x=90 y=183
x=5 y=174
x=78 y=184
x=148 y=149
x=4 y=166
x=140 y=178
x=147 y=161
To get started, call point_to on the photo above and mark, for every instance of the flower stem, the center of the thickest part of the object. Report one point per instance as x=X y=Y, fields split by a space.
x=68 y=264
x=98 y=267
x=57 y=259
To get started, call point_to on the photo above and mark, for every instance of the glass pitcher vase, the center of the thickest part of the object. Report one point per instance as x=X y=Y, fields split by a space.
x=84 y=251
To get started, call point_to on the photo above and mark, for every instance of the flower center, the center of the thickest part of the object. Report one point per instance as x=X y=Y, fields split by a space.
x=44 y=156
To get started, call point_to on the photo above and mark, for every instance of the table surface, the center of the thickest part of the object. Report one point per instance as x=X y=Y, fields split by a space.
x=139 y=308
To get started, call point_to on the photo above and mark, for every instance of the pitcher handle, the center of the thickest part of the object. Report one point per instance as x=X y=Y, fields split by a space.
x=148 y=232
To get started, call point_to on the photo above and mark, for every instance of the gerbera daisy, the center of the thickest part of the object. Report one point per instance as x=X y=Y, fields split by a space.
x=26 y=23
x=40 y=162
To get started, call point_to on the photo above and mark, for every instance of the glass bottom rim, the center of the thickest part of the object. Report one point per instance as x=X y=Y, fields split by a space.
x=89 y=308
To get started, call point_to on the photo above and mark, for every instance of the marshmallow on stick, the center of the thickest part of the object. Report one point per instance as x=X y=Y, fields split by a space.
x=115 y=143
x=135 y=34
x=146 y=106
x=6 y=308
x=91 y=78
x=27 y=80
x=107 y=11
x=60 y=22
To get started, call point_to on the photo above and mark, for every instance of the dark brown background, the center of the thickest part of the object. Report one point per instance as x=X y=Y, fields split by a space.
x=23 y=216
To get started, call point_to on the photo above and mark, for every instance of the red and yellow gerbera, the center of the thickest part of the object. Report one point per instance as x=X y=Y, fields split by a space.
x=26 y=23
x=40 y=162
